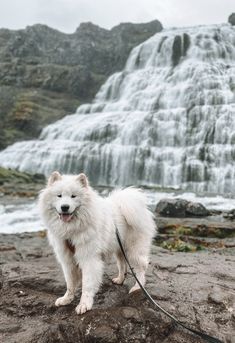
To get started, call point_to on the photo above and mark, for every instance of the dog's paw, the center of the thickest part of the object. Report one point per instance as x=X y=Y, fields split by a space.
x=118 y=280
x=65 y=300
x=82 y=308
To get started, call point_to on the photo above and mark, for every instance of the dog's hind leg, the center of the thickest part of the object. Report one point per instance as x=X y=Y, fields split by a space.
x=121 y=263
x=140 y=266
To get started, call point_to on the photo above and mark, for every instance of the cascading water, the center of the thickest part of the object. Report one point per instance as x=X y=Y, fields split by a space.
x=168 y=119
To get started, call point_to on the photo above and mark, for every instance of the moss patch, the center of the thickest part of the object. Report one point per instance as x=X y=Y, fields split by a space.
x=176 y=244
x=15 y=177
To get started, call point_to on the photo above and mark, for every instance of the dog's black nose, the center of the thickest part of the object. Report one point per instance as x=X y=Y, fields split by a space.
x=65 y=208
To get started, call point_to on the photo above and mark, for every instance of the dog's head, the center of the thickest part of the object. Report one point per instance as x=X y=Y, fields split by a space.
x=64 y=196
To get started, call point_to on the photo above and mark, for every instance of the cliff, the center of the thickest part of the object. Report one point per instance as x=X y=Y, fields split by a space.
x=45 y=74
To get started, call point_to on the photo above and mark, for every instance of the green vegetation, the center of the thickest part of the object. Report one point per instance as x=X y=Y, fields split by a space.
x=9 y=176
x=176 y=244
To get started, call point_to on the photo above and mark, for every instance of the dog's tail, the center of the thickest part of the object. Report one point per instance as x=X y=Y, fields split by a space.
x=133 y=206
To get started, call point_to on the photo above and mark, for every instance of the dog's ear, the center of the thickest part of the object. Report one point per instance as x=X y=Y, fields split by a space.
x=83 y=180
x=55 y=176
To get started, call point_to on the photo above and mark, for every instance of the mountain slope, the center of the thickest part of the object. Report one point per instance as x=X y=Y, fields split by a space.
x=45 y=74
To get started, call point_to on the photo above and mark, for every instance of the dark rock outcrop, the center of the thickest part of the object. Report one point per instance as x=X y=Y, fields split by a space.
x=180 y=48
x=179 y=208
x=231 y=19
x=45 y=74
x=229 y=214
x=195 y=209
x=196 y=288
x=176 y=50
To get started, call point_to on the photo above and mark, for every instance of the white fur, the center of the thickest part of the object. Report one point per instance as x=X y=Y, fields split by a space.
x=92 y=232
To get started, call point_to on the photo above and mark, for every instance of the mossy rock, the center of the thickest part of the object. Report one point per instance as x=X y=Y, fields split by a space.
x=199 y=231
x=28 y=111
x=14 y=176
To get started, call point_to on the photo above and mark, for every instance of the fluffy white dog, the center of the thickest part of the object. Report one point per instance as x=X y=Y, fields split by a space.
x=81 y=229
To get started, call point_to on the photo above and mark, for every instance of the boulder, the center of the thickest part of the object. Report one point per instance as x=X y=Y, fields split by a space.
x=180 y=208
x=231 y=19
x=229 y=214
x=196 y=209
x=171 y=207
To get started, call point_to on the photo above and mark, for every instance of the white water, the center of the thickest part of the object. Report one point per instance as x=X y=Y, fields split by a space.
x=167 y=119
x=24 y=217
x=16 y=218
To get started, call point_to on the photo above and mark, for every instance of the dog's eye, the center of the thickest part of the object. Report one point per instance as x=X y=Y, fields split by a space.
x=73 y=196
x=59 y=195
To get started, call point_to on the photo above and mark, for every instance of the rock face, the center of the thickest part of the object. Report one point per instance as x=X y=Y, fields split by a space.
x=179 y=208
x=231 y=19
x=197 y=288
x=45 y=74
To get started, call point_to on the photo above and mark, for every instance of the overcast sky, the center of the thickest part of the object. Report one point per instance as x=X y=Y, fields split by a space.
x=66 y=15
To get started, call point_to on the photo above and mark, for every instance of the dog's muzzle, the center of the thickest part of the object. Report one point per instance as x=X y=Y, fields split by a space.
x=66 y=217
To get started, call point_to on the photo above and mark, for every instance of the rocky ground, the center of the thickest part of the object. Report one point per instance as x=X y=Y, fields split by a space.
x=192 y=277
x=198 y=288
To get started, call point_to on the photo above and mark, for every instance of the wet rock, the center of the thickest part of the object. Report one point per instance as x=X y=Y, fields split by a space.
x=171 y=207
x=229 y=214
x=195 y=209
x=186 y=43
x=176 y=50
x=231 y=19
x=180 y=208
x=180 y=47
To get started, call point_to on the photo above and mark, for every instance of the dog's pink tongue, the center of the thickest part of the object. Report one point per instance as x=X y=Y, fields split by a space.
x=66 y=217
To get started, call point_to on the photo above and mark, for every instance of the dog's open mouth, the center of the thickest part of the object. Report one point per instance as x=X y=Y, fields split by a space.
x=66 y=217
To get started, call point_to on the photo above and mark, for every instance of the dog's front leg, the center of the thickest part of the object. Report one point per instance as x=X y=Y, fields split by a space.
x=72 y=273
x=92 y=271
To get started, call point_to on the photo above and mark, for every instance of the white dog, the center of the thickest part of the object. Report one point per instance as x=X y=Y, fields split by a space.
x=81 y=228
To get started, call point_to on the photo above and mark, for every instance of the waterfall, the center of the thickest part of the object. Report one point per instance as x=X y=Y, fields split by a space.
x=168 y=119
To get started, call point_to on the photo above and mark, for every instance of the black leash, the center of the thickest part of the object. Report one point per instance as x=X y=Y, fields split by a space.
x=203 y=335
